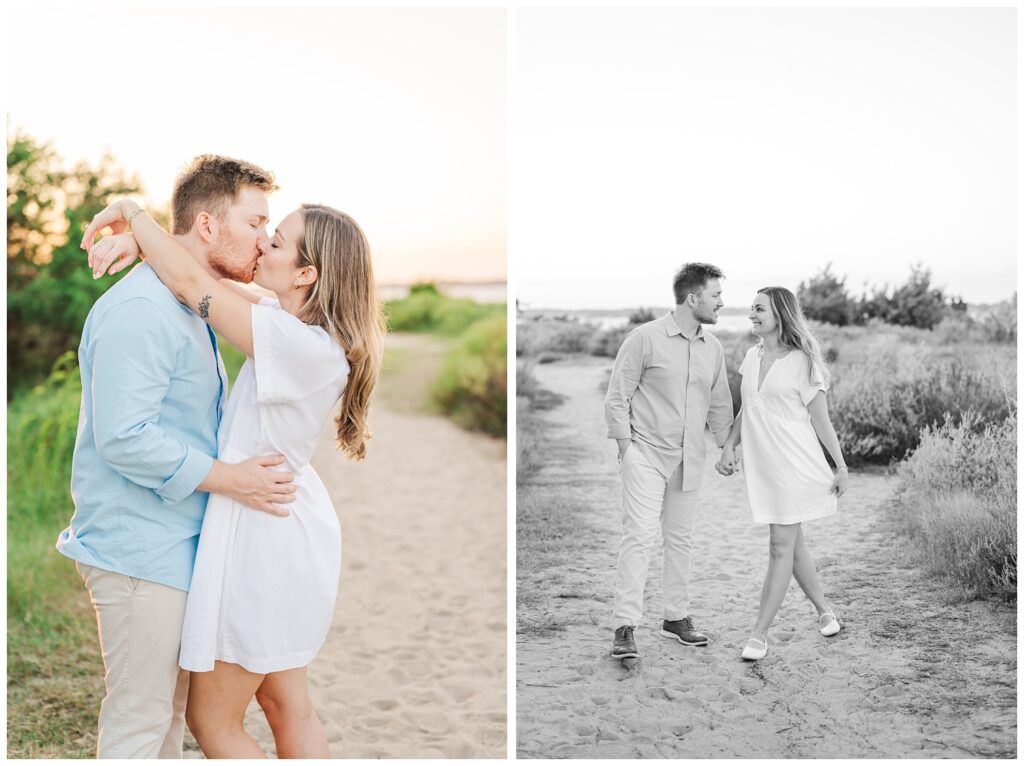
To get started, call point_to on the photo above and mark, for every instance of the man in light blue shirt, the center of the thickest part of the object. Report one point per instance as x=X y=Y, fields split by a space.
x=153 y=389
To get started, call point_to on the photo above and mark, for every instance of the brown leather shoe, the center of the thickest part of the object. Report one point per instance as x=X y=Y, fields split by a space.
x=684 y=632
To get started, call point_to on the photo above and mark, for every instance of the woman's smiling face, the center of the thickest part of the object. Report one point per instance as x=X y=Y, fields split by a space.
x=762 y=319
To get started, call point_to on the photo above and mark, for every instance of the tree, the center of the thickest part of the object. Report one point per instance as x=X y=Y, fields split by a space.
x=916 y=303
x=824 y=298
x=49 y=288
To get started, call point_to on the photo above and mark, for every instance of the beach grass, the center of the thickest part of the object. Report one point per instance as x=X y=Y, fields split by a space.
x=472 y=386
x=957 y=501
x=54 y=669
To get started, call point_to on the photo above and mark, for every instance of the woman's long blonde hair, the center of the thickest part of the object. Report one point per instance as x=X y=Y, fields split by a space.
x=343 y=300
x=794 y=330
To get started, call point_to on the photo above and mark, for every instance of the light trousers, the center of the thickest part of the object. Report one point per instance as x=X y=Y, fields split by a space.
x=649 y=502
x=143 y=712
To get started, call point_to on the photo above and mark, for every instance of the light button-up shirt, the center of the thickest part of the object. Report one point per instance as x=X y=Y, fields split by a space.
x=153 y=385
x=666 y=388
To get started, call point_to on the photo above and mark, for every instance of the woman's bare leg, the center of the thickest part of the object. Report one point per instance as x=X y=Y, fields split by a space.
x=285 y=700
x=807 y=576
x=216 y=711
x=780 y=573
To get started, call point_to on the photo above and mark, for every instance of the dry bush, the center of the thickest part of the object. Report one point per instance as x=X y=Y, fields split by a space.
x=558 y=335
x=957 y=500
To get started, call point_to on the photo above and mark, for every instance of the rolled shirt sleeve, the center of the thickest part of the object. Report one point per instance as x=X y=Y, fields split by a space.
x=626 y=371
x=133 y=364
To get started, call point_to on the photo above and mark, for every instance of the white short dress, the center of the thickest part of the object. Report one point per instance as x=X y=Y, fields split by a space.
x=264 y=587
x=784 y=468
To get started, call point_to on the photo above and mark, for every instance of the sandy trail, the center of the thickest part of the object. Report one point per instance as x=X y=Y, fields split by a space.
x=909 y=676
x=415 y=664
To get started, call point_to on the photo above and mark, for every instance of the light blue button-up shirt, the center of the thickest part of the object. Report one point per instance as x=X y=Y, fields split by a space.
x=152 y=393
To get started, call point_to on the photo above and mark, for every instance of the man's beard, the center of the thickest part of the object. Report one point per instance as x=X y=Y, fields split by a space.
x=707 y=317
x=222 y=262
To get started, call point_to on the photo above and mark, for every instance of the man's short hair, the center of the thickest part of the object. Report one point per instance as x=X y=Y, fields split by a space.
x=692 y=278
x=211 y=183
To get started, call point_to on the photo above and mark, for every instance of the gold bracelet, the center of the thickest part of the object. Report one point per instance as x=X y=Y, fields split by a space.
x=132 y=215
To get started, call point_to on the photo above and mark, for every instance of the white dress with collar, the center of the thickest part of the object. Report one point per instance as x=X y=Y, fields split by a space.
x=784 y=468
x=264 y=587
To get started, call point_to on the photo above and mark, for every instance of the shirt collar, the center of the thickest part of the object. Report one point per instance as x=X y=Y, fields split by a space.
x=671 y=328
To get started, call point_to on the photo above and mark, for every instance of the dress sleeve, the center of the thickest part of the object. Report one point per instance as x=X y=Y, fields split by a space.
x=292 y=359
x=745 y=364
x=812 y=379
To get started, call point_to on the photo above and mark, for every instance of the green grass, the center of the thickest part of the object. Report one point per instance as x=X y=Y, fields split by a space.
x=54 y=669
x=472 y=387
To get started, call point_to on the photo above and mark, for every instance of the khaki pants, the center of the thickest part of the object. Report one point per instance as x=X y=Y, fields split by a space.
x=143 y=712
x=650 y=502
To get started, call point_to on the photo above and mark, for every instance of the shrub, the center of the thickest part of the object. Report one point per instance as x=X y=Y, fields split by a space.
x=41 y=429
x=824 y=298
x=879 y=407
x=560 y=335
x=472 y=385
x=915 y=303
x=427 y=310
x=608 y=342
x=957 y=499
x=998 y=324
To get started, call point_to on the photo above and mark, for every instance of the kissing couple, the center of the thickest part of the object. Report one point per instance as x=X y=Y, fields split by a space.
x=668 y=385
x=208 y=544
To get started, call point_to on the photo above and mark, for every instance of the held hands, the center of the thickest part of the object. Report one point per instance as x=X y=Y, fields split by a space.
x=729 y=463
x=839 y=483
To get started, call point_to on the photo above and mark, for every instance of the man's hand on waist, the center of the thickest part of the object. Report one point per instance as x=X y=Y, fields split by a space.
x=253 y=483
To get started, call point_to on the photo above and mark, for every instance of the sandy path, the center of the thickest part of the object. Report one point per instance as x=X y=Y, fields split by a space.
x=415 y=665
x=909 y=676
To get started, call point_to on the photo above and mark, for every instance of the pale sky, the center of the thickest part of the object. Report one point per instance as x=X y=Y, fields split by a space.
x=396 y=116
x=767 y=141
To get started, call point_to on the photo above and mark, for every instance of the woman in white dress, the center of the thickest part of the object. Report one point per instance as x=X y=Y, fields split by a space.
x=264 y=586
x=788 y=481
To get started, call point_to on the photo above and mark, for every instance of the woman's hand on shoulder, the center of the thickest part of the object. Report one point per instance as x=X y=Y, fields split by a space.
x=115 y=215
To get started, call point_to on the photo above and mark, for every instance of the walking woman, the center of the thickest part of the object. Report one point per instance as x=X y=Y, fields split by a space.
x=782 y=424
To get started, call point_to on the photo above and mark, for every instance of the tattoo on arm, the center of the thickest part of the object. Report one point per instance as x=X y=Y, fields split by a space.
x=204 y=307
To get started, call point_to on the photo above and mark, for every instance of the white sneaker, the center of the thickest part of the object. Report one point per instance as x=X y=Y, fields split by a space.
x=752 y=652
x=828 y=624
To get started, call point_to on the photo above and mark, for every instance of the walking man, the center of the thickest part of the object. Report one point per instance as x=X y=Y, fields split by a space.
x=668 y=384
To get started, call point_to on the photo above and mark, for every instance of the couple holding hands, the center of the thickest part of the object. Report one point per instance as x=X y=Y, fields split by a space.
x=668 y=384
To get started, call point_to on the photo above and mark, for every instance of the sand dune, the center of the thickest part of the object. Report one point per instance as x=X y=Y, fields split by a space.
x=909 y=676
